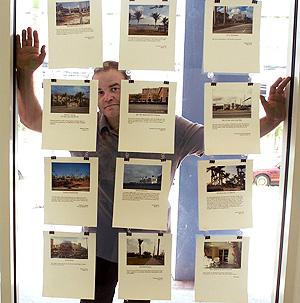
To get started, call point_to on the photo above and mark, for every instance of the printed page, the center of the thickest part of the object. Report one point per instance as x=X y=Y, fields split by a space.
x=69 y=265
x=71 y=190
x=231 y=118
x=231 y=36
x=221 y=269
x=70 y=115
x=145 y=266
x=75 y=33
x=147 y=116
x=141 y=193
x=225 y=194
x=148 y=34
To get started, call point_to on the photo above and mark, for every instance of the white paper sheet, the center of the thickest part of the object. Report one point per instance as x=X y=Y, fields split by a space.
x=75 y=33
x=71 y=190
x=225 y=194
x=141 y=193
x=231 y=36
x=145 y=266
x=147 y=117
x=70 y=115
x=145 y=43
x=231 y=118
x=221 y=269
x=69 y=265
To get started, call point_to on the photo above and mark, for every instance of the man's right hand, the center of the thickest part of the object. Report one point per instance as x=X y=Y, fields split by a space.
x=29 y=56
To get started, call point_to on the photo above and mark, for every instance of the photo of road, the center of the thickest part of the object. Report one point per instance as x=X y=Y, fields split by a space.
x=145 y=252
x=236 y=104
x=233 y=20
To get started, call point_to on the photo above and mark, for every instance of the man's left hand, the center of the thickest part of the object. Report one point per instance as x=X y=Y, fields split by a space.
x=275 y=107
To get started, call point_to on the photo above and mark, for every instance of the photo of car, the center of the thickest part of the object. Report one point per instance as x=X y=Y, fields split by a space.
x=267 y=176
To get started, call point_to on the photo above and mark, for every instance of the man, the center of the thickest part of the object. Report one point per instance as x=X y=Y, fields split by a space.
x=188 y=140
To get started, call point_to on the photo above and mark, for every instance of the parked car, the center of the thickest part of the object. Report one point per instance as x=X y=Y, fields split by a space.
x=267 y=176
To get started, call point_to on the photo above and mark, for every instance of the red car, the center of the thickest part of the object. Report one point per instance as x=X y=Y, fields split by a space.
x=267 y=176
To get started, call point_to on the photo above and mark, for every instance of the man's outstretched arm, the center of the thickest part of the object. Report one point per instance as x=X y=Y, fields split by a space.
x=275 y=106
x=29 y=58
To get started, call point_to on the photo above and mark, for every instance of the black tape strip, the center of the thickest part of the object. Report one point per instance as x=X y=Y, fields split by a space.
x=213 y=84
x=207 y=237
x=212 y=161
x=53 y=157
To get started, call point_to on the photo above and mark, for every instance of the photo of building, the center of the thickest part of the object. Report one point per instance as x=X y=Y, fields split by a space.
x=233 y=19
x=72 y=248
x=150 y=100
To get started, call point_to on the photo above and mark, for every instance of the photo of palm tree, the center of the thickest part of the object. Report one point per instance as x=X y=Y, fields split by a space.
x=70 y=99
x=69 y=248
x=223 y=255
x=149 y=100
x=226 y=178
x=148 y=20
x=233 y=20
x=145 y=251
x=144 y=177
x=72 y=13
x=70 y=176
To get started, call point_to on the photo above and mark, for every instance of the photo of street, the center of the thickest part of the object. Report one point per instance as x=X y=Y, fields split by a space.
x=148 y=20
x=72 y=13
x=233 y=20
x=226 y=178
x=150 y=100
x=236 y=105
x=69 y=248
x=145 y=252
x=222 y=255
x=145 y=177
x=70 y=176
x=70 y=99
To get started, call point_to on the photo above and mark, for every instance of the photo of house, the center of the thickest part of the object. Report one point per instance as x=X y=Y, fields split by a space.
x=223 y=255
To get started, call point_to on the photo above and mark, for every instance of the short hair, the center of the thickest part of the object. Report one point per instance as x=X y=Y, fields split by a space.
x=108 y=65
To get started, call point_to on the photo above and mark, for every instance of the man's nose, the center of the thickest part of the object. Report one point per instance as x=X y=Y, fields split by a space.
x=107 y=96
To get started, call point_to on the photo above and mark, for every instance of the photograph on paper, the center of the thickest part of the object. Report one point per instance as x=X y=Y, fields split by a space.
x=226 y=255
x=70 y=99
x=69 y=248
x=148 y=20
x=149 y=251
x=226 y=178
x=70 y=176
x=142 y=177
x=149 y=101
x=236 y=106
x=72 y=13
x=233 y=20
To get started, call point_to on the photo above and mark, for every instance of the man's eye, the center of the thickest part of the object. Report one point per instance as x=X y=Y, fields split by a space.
x=100 y=92
x=114 y=89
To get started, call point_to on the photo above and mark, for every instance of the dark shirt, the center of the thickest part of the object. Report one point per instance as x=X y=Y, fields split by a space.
x=188 y=141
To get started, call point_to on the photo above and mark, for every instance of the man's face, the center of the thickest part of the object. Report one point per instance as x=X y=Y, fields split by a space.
x=109 y=85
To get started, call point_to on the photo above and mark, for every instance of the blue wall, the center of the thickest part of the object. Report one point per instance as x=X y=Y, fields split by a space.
x=193 y=96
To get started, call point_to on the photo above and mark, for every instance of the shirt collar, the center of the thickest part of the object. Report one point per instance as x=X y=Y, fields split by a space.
x=104 y=126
